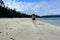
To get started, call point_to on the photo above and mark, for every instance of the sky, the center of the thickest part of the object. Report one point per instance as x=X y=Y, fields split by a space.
x=39 y=7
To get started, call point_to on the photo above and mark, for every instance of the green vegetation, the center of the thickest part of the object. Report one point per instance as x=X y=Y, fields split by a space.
x=6 y=12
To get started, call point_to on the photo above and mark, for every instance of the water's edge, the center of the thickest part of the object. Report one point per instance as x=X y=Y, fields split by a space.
x=54 y=21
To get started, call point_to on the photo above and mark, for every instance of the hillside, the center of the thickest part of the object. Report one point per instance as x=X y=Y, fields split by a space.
x=47 y=16
x=5 y=12
x=9 y=13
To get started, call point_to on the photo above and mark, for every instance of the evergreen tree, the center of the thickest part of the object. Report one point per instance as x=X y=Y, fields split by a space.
x=2 y=3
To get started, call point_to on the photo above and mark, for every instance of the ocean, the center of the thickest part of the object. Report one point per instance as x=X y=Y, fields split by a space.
x=53 y=20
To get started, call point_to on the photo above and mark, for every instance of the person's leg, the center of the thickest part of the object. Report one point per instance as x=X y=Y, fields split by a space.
x=33 y=21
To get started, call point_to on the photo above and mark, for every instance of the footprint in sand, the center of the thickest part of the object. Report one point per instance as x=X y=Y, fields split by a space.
x=0 y=32
x=12 y=39
x=7 y=33
x=39 y=39
x=40 y=33
x=6 y=24
x=10 y=28
x=40 y=24
x=6 y=28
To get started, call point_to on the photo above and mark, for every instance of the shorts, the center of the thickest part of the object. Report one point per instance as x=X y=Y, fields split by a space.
x=33 y=18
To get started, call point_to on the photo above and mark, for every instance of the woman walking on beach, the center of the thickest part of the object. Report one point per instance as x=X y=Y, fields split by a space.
x=33 y=18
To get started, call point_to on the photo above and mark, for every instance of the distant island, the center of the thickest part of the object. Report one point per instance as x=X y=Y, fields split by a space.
x=48 y=16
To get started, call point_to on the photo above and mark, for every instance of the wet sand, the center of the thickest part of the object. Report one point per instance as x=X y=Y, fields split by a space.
x=24 y=29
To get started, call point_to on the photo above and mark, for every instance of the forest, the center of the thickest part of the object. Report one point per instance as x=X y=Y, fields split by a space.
x=6 y=12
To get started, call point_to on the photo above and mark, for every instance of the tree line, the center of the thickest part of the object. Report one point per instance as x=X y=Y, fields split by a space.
x=6 y=12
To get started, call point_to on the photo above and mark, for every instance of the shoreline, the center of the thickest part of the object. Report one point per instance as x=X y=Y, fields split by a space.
x=55 y=22
x=24 y=29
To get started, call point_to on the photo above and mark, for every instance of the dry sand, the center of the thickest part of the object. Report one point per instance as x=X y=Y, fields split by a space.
x=24 y=29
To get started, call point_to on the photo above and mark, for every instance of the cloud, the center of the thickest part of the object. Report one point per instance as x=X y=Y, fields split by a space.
x=39 y=8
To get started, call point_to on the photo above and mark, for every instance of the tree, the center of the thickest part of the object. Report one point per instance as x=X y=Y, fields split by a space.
x=2 y=3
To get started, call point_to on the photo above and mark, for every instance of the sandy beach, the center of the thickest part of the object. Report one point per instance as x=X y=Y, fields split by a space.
x=24 y=29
